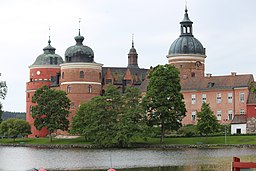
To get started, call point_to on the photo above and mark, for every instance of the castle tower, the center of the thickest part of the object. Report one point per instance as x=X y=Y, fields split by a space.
x=187 y=53
x=132 y=57
x=42 y=72
x=80 y=74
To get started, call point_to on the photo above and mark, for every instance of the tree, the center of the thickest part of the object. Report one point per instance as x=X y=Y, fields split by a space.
x=164 y=101
x=14 y=127
x=111 y=119
x=51 y=109
x=3 y=92
x=207 y=122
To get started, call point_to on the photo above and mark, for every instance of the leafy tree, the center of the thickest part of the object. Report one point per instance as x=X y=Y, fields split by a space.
x=164 y=101
x=207 y=122
x=51 y=109
x=14 y=127
x=111 y=119
x=3 y=92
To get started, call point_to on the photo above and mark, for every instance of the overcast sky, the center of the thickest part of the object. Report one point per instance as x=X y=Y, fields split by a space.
x=226 y=28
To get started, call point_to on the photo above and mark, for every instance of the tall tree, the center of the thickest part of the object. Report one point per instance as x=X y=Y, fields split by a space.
x=111 y=119
x=14 y=127
x=3 y=92
x=51 y=109
x=207 y=122
x=163 y=100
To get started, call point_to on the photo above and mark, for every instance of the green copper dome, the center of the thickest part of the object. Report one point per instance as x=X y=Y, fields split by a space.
x=186 y=43
x=79 y=52
x=48 y=57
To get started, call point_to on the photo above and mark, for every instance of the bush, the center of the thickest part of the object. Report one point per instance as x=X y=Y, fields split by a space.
x=188 y=131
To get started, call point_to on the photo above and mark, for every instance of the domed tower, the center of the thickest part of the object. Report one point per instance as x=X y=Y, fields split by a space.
x=42 y=72
x=80 y=75
x=132 y=57
x=187 y=53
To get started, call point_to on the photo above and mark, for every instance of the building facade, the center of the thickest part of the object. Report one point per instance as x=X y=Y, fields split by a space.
x=230 y=97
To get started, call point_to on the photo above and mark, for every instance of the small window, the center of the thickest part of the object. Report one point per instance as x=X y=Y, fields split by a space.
x=210 y=85
x=193 y=74
x=89 y=89
x=68 y=89
x=219 y=115
x=203 y=98
x=193 y=98
x=72 y=105
x=108 y=81
x=218 y=97
x=230 y=97
x=100 y=75
x=51 y=60
x=81 y=74
x=242 y=112
x=242 y=97
x=30 y=109
x=62 y=75
x=230 y=114
x=193 y=117
x=55 y=60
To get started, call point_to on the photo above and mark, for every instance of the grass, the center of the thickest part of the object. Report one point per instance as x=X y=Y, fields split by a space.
x=249 y=139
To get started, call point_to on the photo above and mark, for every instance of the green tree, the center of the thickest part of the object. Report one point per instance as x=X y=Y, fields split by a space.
x=111 y=119
x=51 y=109
x=164 y=101
x=14 y=127
x=3 y=92
x=207 y=122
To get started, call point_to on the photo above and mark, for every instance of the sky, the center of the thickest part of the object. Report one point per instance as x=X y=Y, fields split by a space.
x=227 y=29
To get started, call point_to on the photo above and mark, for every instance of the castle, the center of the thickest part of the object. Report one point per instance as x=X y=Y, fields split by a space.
x=82 y=78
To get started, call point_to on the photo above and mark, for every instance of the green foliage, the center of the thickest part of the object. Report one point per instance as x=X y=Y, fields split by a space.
x=3 y=92
x=51 y=109
x=111 y=119
x=207 y=121
x=14 y=127
x=164 y=101
x=188 y=130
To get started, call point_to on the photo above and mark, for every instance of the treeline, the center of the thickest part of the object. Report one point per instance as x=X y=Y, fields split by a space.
x=20 y=115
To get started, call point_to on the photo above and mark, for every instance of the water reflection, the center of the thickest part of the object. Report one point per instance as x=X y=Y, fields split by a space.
x=24 y=158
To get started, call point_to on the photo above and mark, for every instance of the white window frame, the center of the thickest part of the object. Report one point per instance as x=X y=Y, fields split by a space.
x=193 y=99
x=193 y=116
x=204 y=97
x=230 y=114
x=242 y=112
x=218 y=97
x=230 y=97
x=241 y=97
x=218 y=115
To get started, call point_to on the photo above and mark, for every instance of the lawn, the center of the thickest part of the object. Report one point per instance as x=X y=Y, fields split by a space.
x=248 y=139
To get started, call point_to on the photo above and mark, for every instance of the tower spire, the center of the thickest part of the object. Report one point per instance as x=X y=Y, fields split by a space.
x=132 y=40
x=79 y=26
x=49 y=41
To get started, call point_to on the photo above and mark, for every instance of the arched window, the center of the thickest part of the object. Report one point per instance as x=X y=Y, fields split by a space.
x=62 y=75
x=81 y=74
x=89 y=89
x=68 y=89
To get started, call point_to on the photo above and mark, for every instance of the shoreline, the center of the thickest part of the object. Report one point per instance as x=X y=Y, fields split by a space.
x=139 y=146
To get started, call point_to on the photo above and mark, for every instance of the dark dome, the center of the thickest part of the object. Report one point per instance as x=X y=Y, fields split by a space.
x=186 y=45
x=79 y=52
x=48 y=57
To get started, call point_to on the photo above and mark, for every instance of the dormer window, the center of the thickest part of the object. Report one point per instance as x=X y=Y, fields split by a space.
x=210 y=85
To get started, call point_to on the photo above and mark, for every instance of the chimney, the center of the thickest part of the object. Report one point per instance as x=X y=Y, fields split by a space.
x=233 y=73
x=208 y=75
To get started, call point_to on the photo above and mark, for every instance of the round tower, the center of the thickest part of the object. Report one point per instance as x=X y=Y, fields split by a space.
x=80 y=75
x=44 y=71
x=187 y=53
